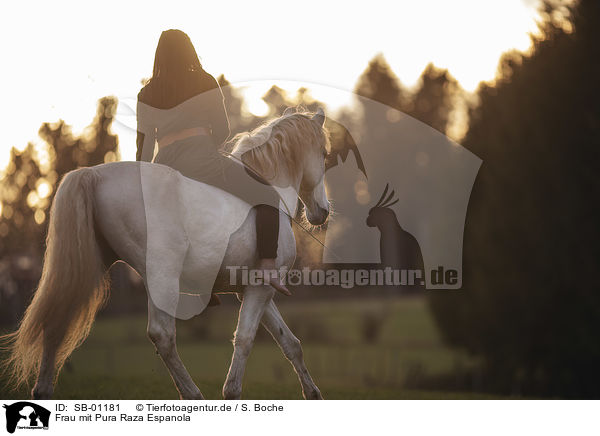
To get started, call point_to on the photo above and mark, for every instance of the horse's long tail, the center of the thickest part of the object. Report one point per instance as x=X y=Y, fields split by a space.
x=73 y=285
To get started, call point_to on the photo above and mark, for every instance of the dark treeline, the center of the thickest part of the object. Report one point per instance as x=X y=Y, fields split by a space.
x=530 y=306
x=529 y=309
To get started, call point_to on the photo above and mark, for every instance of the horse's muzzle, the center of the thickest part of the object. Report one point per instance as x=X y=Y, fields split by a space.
x=318 y=217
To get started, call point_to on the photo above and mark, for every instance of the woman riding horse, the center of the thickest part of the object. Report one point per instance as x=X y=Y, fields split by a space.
x=179 y=235
x=190 y=123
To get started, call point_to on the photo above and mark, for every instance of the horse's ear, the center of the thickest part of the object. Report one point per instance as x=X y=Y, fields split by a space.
x=319 y=117
x=289 y=111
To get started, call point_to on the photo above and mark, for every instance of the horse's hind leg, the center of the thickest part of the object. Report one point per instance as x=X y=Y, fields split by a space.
x=290 y=345
x=161 y=330
x=255 y=299
x=44 y=386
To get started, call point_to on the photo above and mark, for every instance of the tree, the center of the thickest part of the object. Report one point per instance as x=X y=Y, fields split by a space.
x=279 y=100
x=23 y=204
x=434 y=98
x=95 y=146
x=530 y=306
x=26 y=194
x=239 y=120
x=378 y=82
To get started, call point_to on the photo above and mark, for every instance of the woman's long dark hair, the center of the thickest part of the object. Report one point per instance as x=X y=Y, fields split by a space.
x=177 y=73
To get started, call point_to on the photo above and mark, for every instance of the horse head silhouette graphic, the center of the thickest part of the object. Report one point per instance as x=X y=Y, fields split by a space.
x=398 y=249
x=342 y=143
x=26 y=414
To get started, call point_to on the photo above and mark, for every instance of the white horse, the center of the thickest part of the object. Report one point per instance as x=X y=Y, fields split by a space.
x=98 y=217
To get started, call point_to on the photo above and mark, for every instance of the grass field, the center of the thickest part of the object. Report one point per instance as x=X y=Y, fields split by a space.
x=361 y=349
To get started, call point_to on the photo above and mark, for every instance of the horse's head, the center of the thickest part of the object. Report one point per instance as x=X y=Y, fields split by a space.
x=290 y=151
x=381 y=214
x=312 y=185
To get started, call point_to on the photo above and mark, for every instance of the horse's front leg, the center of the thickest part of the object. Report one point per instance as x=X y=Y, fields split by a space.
x=292 y=349
x=161 y=330
x=254 y=301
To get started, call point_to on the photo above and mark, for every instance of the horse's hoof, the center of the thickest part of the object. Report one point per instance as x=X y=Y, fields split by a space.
x=196 y=396
x=314 y=394
x=214 y=300
x=231 y=393
x=41 y=394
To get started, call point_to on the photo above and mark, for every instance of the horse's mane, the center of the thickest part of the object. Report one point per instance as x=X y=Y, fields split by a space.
x=279 y=142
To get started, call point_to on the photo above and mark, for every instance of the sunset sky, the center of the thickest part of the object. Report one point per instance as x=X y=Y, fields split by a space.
x=61 y=57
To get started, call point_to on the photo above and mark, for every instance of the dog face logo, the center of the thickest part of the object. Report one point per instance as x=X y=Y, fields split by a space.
x=26 y=415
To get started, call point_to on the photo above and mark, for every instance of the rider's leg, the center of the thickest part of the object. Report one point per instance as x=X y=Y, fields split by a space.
x=237 y=181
